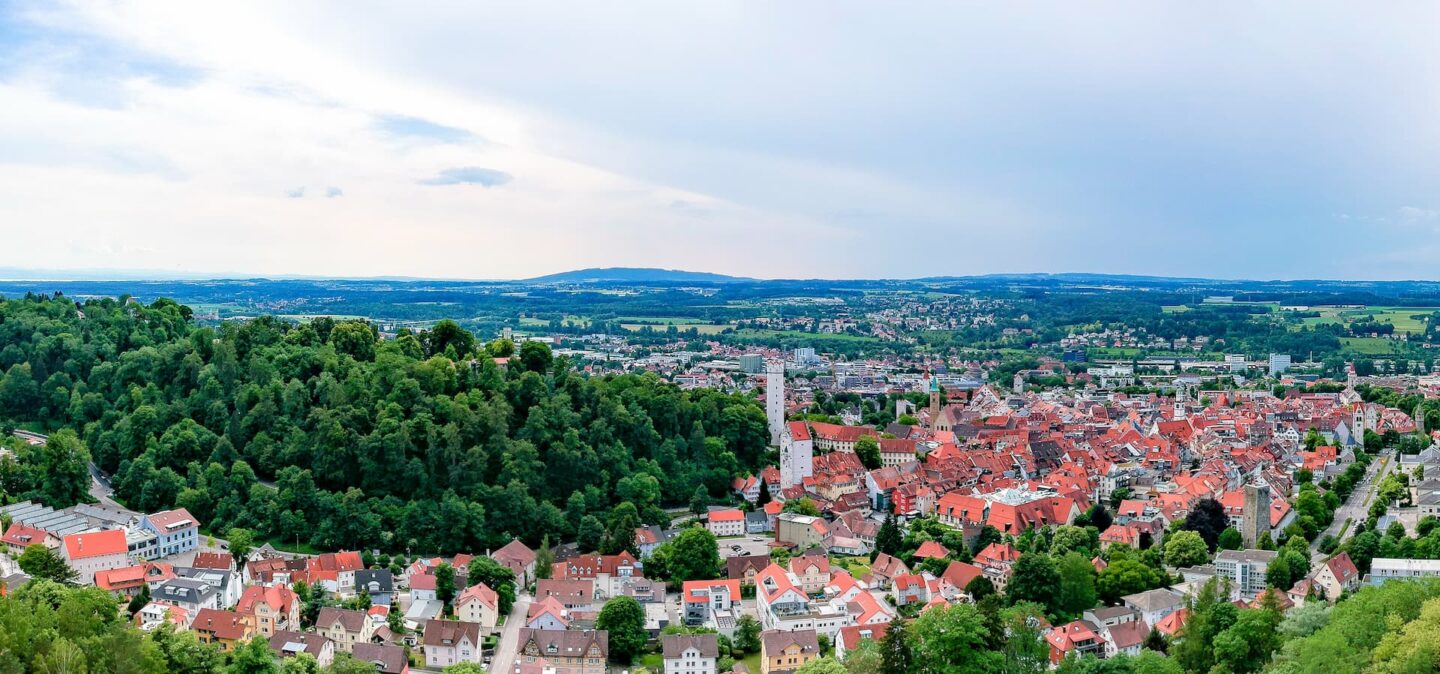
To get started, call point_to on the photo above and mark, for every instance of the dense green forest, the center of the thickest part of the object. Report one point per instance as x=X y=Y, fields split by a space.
x=322 y=433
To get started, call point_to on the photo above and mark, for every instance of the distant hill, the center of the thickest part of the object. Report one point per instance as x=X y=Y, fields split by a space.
x=636 y=275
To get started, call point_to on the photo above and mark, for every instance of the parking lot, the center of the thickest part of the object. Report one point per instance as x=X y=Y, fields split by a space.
x=739 y=546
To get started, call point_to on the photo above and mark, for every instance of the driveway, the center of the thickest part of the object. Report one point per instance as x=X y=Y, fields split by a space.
x=504 y=661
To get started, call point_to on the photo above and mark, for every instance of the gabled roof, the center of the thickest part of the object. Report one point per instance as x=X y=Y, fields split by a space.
x=173 y=520
x=516 y=552
x=675 y=645
x=95 y=544
x=223 y=624
x=449 y=633
x=479 y=592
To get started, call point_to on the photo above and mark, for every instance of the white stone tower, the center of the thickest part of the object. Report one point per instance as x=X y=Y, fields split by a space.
x=775 y=399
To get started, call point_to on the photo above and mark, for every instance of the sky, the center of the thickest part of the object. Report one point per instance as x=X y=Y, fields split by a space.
x=797 y=139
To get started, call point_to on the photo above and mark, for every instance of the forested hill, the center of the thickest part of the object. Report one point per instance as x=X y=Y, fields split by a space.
x=422 y=441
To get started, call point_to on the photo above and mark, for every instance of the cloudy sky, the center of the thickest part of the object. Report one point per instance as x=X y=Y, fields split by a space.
x=773 y=139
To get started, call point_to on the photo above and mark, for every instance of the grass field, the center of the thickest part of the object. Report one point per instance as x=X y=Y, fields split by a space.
x=1405 y=319
x=704 y=329
x=1175 y=309
x=662 y=320
x=531 y=321
x=1372 y=346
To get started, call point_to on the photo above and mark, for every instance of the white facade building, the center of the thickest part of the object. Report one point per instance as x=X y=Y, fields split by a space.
x=775 y=399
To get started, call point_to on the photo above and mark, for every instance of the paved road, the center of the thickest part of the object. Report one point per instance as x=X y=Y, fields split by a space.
x=504 y=661
x=1357 y=507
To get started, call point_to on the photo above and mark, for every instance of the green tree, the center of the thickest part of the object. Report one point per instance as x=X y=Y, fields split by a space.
x=1187 y=548
x=979 y=588
x=823 y=665
x=1035 y=579
x=747 y=634
x=1230 y=539
x=897 y=652
x=445 y=583
x=496 y=577
x=41 y=562
x=889 y=539
x=624 y=619
x=868 y=449
x=252 y=657
x=300 y=663
x=699 y=501
x=241 y=542
x=1124 y=577
x=802 y=506
x=691 y=555
x=953 y=639
x=1076 y=590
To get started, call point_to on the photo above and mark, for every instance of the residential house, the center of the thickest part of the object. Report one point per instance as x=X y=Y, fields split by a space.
x=449 y=642
x=1336 y=576
x=346 y=627
x=785 y=652
x=224 y=629
x=705 y=599
x=287 y=644
x=214 y=561
x=128 y=581
x=885 y=568
x=176 y=531
x=744 y=568
x=269 y=609
x=568 y=651
x=379 y=584
x=725 y=522
x=18 y=537
x=478 y=604
x=812 y=571
x=1077 y=638
x=572 y=594
x=547 y=614
x=518 y=558
x=910 y=588
x=422 y=587
x=386 y=658
x=850 y=637
x=1154 y=605
x=335 y=571
x=998 y=560
x=690 y=653
x=1125 y=637
x=226 y=583
x=191 y=595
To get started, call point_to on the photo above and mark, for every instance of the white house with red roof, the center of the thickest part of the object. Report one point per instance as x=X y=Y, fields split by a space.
x=18 y=537
x=705 y=600
x=93 y=552
x=726 y=522
x=176 y=531
x=478 y=604
x=1337 y=576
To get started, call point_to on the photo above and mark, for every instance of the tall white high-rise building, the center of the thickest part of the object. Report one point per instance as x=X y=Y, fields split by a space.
x=775 y=399
x=797 y=455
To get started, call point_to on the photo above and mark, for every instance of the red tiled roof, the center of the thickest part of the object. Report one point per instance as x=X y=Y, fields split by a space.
x=95 y=544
